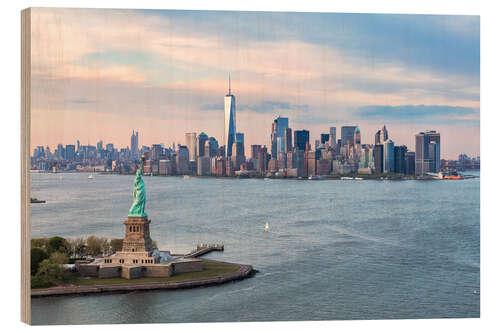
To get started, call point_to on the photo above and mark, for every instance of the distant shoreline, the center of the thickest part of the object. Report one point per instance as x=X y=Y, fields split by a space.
x=400 y=177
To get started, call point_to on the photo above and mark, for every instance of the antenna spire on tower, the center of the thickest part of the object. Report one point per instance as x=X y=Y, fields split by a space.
x=229 y=84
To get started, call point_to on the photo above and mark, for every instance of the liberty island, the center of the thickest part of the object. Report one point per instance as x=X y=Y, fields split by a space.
x=140 y=259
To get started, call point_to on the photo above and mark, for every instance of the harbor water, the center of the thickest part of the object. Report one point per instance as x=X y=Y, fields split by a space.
x=335 y=250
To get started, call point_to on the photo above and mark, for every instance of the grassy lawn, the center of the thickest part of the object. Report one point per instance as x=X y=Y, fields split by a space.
x=210 y=269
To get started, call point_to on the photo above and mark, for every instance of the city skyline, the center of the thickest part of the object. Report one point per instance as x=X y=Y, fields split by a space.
x=358 y=75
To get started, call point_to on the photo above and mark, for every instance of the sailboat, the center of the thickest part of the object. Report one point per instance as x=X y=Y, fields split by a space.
x=267 y=227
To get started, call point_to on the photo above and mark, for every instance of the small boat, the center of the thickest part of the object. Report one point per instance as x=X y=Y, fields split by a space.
x=186 y=177
x=35 y=200
x=267 y=227
x=314 y=177
x=346 y=178
x=90 y=176
x=358 y=178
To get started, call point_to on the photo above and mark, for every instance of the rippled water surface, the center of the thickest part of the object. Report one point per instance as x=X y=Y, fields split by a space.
x=335 y=249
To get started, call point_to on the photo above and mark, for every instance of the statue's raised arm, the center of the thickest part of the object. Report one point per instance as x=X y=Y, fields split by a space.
x=139 y=204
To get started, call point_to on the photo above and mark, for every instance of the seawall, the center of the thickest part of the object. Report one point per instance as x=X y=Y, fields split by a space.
x=243 y=272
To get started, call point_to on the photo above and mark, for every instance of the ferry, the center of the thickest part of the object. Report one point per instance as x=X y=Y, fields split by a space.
x=346 y=178
x=453 y=177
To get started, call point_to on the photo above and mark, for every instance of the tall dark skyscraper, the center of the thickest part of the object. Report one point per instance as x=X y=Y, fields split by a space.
x=378 y=157
x=70 y=152
x=229 y=120
x=288 y=140
x=301 y=139
x=347 y=134
x=400 y=159
x=278 y=136
x=410 y=163
x=325 y=137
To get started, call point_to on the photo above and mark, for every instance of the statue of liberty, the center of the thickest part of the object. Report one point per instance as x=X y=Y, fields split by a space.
x=137 y=208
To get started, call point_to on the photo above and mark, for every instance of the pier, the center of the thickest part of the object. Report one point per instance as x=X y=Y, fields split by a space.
x=202 y=249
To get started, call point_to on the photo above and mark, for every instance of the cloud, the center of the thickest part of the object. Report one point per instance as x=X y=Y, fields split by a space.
x=81 y=101
x=419 y=113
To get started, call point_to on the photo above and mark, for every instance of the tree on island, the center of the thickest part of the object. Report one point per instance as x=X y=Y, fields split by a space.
x=116 y=245
x=37 y=256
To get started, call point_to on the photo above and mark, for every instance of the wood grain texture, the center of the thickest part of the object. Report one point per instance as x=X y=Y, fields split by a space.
x=25 y=164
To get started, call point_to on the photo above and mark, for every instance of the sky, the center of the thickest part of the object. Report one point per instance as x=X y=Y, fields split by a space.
x=98 y=74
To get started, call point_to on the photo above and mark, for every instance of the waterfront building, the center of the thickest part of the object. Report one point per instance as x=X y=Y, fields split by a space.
x=378 y=157
x=301 y=139
x=324 y=167
x=229 y=120
x=273 y=164
x=291 y=160
x=261 y=159
x=238 y=155
x=229 y=167
x=221 y=166
x=347 y=134
x=278 y=135
x=191 y=145
x=182 y=160
x=427 y=152
x=410 y=162
x=399 y=159
x=388 y=156
x=203 y=166
x=311 y=162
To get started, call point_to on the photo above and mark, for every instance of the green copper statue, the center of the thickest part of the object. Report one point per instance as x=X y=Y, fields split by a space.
x=137 y=208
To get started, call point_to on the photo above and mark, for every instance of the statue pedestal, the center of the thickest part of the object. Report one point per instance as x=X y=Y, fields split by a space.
x=137 y=238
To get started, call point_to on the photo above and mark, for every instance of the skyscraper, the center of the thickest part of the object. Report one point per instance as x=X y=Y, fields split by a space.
x=378 y=157
x=191 y=145
x=202 y=138
x=400 y=159
x=388 y=156
x=333 y=136
x=325 y=137
x=347 y=134
x=288 y=139
x=278 y=136
x=229 y=120
x=134 y=144
x=301 y=139
x=427 y=152
x=385 y=134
